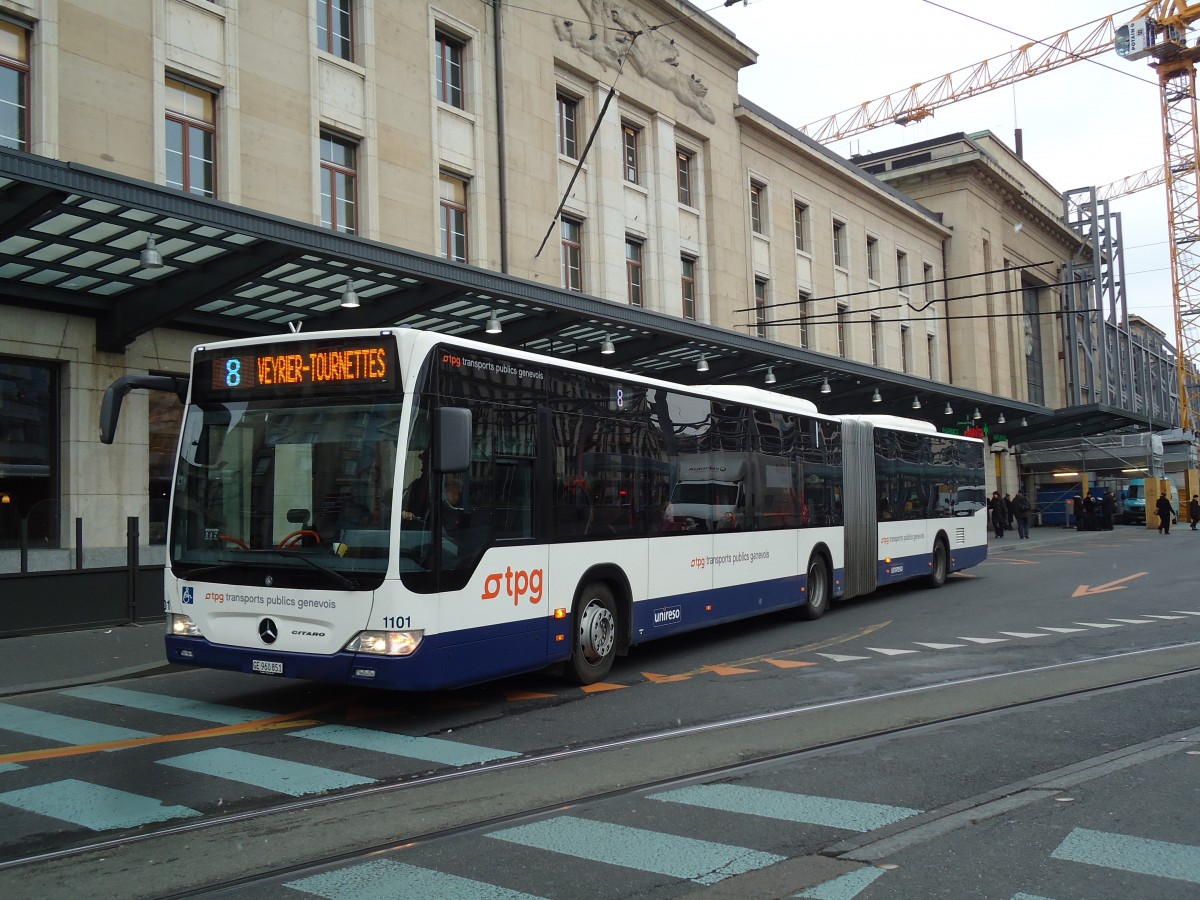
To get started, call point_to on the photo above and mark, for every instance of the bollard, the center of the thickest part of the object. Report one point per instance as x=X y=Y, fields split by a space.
x=131 y=562
x=23 y=532
x=78 y=542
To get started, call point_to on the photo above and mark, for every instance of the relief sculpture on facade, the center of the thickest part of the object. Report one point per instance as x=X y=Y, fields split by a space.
x=613 y=34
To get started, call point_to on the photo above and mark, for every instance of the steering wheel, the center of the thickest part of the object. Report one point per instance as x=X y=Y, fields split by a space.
x=233 y=540
x=297 y=537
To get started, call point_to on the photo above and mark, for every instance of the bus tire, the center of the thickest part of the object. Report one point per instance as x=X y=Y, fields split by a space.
x=594 y=634
x=939 y=566
x=816 y=588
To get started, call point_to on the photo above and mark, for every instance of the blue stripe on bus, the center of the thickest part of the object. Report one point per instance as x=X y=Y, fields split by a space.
x=473 y=655
x=93 y=806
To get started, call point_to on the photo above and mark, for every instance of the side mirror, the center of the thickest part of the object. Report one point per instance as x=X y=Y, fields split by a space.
x=452 y=439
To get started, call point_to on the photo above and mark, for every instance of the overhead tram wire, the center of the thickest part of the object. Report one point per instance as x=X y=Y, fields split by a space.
x=896 y=287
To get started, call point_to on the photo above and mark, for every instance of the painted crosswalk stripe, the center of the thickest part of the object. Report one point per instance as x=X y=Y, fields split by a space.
x=937 y=646
x=1100 y=624
x=1024 y=896
x=852 y=815
x=887 y=651
x=280 y=775
x=1169 y=618
x=836 y=657
x=704 y=862
x=1024 y=634
x=10 y=767
x=175 y=706
x=384 y=879
x=449 y=753
x=844 y=887
x=92 y=805
x=1185 y=612
x=63 y=729
x=984 y=640
x=1061 y=630
x=1133 y=621
x=1143 y=856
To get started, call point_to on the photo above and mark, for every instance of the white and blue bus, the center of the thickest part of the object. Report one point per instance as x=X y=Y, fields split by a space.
x=408 y=510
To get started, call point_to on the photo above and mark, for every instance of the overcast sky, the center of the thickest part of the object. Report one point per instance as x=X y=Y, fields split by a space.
x=1091 y=122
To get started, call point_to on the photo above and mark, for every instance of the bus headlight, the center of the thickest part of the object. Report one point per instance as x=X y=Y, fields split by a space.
x=182 y=626
x=387 y=643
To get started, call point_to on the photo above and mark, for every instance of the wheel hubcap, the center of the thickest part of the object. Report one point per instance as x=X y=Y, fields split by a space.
x=597 y=631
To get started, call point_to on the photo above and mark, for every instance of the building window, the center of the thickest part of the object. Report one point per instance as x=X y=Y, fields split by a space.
x=454 y=218
x=633 y=271
x=683 y=162
x=758 y=199
x=688 y=283
x=631 y=137
x=872 y=259
x=802 y=298
x=29 y=414
x=839 y=244
x=876 y=341
x=191 y=139
x=760 y=307
x=931 y=352
x=928 y=285
x=801 y=212
x=902 y=271
x=905 y=349
x=568 y=113
x=449 y=62
x=333 y=28
x=842 y=311
x=572 y=255
x=14 y=86
x=338 y=183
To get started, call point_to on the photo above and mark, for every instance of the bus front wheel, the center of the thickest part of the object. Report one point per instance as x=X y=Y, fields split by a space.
x=816 y=588
x=939 y=566
x=594 y=641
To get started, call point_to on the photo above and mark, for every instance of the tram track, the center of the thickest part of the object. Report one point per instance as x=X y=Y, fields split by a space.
x=328 y=829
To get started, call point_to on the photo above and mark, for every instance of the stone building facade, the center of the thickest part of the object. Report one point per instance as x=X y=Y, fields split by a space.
x=458 y=129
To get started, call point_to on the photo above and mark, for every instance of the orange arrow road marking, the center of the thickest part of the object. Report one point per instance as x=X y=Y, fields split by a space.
x=1084 y=591
x=788 y=663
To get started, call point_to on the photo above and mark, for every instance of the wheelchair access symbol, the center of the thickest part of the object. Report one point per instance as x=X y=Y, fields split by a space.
x=188 y=596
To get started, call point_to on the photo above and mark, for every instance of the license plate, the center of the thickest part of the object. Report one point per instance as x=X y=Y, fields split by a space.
x=266 y=666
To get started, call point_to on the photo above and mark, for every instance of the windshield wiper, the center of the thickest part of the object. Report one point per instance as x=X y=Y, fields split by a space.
x=348 y=583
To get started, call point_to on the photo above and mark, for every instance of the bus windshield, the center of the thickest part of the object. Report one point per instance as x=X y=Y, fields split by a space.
x=300 y=493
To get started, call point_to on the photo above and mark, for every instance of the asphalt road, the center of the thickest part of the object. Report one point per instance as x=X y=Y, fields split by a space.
x=1041 y=799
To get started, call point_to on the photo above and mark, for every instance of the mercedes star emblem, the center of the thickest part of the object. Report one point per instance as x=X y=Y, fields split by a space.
x=268 y=631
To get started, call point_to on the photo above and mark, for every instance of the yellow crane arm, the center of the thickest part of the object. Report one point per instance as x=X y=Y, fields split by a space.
x=919 y=101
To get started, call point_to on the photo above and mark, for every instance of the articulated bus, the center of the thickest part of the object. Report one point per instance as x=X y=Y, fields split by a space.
x=404 y=509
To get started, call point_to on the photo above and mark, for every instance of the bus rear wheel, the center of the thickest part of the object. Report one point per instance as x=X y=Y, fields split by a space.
x=940 y=564
x=594 y=640
x=816 y=589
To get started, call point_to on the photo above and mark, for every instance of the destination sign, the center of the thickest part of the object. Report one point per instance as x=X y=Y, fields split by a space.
x=305 y=367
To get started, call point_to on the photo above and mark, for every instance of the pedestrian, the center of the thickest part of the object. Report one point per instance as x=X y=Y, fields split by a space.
x=1020 y=510
x=1194 y=510
x=1008 y=509
x=1108 y=506
x=1165 y=510
x=1077 y=509
x=998 y=513
x=1089 y=512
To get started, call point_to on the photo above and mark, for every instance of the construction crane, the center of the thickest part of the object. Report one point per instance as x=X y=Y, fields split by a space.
x=919 y=101
x=1159 y=33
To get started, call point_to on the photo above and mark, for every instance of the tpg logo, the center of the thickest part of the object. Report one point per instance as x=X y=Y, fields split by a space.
x=188 y=596
x=516 y=585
